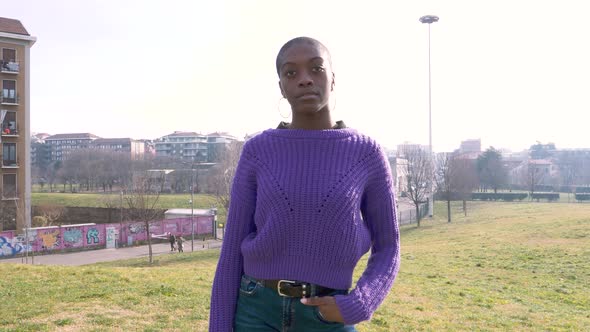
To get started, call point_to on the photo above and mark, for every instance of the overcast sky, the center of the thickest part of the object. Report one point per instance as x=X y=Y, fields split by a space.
x=509 y=72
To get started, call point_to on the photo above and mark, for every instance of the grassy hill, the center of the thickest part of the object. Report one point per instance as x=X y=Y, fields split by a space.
x=506 y=266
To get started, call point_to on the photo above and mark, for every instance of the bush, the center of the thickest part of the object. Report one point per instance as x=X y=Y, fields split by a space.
x=507 y=197
x=39 y=221
x=583 y=197
x=548 y=196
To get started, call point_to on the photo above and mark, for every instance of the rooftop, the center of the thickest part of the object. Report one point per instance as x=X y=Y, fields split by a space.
x=99 y=141
x=185 y=134
x=72 y=136
x=187 y=212
x=10 y=25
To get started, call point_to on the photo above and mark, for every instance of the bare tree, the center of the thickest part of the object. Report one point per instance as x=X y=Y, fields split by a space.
x=568 y=170
x=532 y=176
x=417 y=172
x=444 y=177
x=50 y=215
x=221 y=175
x=141 y=200
x=465 y=179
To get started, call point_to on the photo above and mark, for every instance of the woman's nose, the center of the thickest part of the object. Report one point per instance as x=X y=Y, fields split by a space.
x=305 y=80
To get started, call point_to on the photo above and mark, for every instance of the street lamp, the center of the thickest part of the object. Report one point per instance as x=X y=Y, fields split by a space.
x=192 y=210
x=429 y=19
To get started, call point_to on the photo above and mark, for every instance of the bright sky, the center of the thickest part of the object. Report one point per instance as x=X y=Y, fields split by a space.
x=508 y=72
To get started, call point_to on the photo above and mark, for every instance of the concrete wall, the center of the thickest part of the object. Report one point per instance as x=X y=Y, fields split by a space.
x=79 y=237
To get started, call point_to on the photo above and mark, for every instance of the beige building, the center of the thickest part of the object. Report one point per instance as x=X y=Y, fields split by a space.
x=135 y=148
x=15 y=179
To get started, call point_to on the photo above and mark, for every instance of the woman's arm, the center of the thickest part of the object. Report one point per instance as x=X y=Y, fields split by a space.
x=240 y=222
x=379 y=212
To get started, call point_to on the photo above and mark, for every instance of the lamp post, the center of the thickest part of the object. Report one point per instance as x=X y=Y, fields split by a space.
x=429 y=19
x=192 y=210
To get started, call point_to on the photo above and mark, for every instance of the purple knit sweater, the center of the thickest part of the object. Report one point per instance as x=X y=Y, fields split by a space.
x=307 y=205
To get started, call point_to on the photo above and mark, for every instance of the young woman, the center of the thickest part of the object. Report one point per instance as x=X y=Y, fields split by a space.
x=309 y=199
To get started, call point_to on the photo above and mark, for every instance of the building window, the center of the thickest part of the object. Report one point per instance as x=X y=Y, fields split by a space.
x=8 y=55
x=9 y=123
x=9 y=91
x=9 y=62
x=9 y=186
x=9 y=154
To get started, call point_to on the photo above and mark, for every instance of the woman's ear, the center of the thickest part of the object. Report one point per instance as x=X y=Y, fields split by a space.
x=333 y=82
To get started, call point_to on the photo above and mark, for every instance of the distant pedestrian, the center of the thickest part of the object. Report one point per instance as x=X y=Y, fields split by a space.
x=172 y=240
x=179 y=242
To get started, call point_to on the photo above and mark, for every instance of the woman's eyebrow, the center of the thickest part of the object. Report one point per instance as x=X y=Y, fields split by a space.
x=310 y=60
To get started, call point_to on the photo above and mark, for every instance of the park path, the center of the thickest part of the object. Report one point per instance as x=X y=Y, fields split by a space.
x=106 y=255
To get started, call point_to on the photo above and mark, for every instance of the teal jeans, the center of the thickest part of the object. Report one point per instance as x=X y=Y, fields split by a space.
x=262 y=309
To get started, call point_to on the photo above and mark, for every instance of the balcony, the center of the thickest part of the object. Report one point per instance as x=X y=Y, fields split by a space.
x=9 y=100
x=10 y=67
x=10 y=163
x=9 y=130
x=9 y=193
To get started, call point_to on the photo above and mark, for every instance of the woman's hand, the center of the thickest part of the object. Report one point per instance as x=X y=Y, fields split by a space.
x=326 y=306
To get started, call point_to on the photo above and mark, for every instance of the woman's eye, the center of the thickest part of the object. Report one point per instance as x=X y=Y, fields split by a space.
x=318 y=69
x=290 y=73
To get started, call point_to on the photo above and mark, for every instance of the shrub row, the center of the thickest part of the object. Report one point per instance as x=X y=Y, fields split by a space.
x=509 y=197
x=548 y=196
x=583 y=197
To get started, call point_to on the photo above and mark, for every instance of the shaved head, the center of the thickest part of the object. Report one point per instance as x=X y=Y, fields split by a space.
x=297 y=41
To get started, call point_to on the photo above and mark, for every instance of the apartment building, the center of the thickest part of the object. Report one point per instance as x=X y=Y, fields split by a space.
x=40 y=153
x=135 y=148
x=61 y=145
x=15 y=171
x=216 y=143
x=191 y=146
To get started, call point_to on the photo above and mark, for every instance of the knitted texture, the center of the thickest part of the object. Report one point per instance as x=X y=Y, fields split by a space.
x=306 y=205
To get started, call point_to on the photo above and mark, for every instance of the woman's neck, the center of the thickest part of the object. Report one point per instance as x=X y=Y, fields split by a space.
x=317 y=121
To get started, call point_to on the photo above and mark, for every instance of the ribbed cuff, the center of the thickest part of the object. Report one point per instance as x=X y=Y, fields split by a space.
x=352 y=310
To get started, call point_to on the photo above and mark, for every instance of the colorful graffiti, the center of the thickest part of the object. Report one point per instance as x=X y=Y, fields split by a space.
x=137 y=228
x=92 y=236
x=50 y=239
x=9 y=247
x=72 y=237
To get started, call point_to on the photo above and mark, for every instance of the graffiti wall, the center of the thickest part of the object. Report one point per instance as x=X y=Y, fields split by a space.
x=85 y=236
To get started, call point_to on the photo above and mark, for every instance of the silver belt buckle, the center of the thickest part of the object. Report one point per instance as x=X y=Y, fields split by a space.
x=279 y=286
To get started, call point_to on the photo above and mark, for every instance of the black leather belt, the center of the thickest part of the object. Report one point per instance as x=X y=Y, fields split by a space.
x=291 y=288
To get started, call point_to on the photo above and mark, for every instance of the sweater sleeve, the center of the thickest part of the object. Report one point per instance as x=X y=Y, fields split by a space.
x=240 y=222
x=378 y=208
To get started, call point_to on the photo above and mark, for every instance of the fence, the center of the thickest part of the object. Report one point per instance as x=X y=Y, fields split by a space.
x=408 y=216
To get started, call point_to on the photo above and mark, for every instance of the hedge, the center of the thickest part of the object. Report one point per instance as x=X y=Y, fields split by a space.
x=548 y=196
x=583 y=197
x=508 y=197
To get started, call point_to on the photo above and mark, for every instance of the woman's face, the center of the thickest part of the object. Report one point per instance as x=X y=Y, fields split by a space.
x=306 y=78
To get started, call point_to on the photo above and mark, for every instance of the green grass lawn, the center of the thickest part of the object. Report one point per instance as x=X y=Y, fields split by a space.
x=166 y=201
x=506 y=266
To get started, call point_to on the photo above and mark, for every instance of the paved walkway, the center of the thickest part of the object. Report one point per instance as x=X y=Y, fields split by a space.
x=105 y=255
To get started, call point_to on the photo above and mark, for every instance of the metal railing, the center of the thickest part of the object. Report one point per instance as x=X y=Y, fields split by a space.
x=8 y=131
x=9 y=163
x=10 y=67
x=408 y=216
x=9 y=193
x=9 y=100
